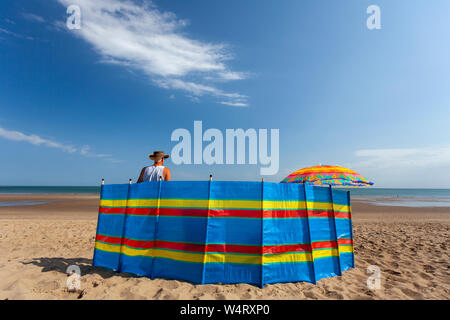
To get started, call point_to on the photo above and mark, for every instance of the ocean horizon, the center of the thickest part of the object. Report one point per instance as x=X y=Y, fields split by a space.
x=355 y=192
x=406 y=197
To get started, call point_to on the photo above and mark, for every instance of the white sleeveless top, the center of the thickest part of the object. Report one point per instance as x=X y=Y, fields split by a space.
x=153 y=173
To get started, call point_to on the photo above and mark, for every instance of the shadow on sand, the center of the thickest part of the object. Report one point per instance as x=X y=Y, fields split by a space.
x=85 y=265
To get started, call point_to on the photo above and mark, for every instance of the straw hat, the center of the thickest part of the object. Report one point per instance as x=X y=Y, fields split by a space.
x=158 y=155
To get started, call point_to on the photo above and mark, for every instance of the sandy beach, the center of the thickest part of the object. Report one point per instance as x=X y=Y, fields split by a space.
x=38 y=243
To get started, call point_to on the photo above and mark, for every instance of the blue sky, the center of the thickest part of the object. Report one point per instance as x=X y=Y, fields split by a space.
x=79 y=105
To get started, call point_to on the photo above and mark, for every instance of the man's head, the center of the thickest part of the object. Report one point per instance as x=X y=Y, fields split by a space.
x=158 y=157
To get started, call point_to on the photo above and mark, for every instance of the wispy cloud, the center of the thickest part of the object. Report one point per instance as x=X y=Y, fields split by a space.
x=405 y=157
x=405 y=167
x=33 y=17
x=234 y=104
x=147 y=39
x=9 y=21
x=13 y=34
x=87 y=152
x=199 y=90
x=36 y=140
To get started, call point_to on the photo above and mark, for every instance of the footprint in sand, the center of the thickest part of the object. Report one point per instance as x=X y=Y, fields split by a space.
x=411 y=294
x=424 y=275
x=310 y=295
x=429 y=269
x=173 y=284
x=393 y=272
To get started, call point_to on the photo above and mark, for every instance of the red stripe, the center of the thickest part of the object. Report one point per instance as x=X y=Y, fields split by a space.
x=320 y=214
x=324 y=244
x=168 y=212
x=236 y=213
x=142 y=211
x=285 y=214
x=138 y=243
x=345 y=241
x=223 y=248
x=287 y=248
x=345 y=215
x=232 y=248
x=183 y=212
x=109 y=210
x=107 y=239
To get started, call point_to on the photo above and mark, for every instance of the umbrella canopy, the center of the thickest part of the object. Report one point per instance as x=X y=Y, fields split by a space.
x=328 y=175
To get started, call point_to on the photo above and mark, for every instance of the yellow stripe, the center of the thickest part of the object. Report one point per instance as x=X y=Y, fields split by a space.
x=220 y=258
x=325 y=253
x=287 y=257
x=113 y=203
x=345 y=249
x=341 y=208
x=324 y=170
x=232 y=258
x=184 y=203
x=225 y=204
x=107 y=247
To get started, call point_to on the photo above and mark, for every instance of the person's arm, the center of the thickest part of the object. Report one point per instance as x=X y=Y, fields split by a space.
x=166 y=174
x=141 y=176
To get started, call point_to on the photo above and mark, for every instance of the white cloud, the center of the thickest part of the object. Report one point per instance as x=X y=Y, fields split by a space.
x=9 y=21
x=424 y=167
x=146 y=39
x=38 y=141
x=234 y=104
x=199 y=89
x=34 y=139
x=33 y=17
x=406 y=157
x=229 y=75
x=13 y=34
x=86 y=151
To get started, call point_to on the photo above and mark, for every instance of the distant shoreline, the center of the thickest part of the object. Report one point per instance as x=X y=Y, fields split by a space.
x=390 y=197
x=36 y=200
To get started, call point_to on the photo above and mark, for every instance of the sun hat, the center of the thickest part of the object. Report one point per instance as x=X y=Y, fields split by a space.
x=157 y=155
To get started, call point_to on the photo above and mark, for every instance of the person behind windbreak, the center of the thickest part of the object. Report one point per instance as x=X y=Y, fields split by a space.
x=157 y=170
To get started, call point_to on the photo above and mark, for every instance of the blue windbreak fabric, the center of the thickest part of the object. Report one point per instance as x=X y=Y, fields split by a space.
x=225 y=232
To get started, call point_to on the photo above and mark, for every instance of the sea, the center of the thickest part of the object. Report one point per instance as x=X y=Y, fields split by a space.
x=377 y=196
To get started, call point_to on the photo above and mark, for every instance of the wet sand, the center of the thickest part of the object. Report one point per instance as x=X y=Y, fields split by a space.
x=39 y=242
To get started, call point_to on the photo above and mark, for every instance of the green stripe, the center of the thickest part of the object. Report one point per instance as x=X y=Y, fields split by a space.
x=212 y=217
x=223 y=263
x=110 y=244
x=287 y=252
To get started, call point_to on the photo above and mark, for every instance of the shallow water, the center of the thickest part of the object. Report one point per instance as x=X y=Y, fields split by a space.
x=48 y=190
x=375 y=196
x=416 y=203
x=18 y=203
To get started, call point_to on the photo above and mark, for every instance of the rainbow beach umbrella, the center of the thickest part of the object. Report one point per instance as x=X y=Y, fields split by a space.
x=328 y=175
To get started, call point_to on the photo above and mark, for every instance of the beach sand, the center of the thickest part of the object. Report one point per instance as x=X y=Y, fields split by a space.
x=39 y=242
